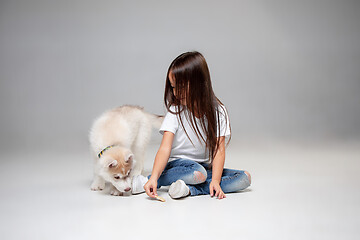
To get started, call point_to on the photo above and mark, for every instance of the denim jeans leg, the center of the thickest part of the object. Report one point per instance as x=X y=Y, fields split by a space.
x=231 y=181
x=202 y=188
x=234 y=180
x=181 y=169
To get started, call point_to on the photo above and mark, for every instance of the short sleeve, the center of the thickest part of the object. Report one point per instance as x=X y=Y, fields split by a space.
x=224 y=122
x=170 y=123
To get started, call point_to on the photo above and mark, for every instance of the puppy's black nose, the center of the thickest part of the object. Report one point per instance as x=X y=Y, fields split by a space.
x=127 y=189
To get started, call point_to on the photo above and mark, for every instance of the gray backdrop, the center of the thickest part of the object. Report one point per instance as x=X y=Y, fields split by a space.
x=286 y=70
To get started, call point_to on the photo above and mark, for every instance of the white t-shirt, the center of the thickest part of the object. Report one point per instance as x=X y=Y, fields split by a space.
x=182 y=146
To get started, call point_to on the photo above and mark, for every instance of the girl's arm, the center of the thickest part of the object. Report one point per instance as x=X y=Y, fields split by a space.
x=163 y=154
x=217 y=169
x=161 y=159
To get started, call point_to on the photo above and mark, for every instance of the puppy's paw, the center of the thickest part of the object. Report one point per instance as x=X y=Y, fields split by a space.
x=97 y=186
x=115 y=192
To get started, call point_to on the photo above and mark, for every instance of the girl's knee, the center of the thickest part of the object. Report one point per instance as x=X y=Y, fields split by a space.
x=199 y=176
x=248 y=175
x=196 y=176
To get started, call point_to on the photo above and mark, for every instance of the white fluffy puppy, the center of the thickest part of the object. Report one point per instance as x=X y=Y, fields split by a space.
x=118 y=140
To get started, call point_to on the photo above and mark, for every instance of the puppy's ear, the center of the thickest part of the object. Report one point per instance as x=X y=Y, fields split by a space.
x=112 y=164
x=129 y=157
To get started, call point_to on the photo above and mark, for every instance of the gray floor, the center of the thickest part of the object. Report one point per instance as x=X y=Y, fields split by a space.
x=299 y=191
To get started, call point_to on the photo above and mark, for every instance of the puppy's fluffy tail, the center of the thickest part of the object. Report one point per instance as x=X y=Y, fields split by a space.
x=156 y=120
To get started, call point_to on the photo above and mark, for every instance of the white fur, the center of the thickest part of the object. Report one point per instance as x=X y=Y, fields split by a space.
x=129 y=128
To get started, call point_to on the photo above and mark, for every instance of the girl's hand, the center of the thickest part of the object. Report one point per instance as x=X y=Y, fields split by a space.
x=215 y=186
x=150 y=187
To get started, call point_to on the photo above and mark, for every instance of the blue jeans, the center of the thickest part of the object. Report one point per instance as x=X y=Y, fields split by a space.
x=197 y=177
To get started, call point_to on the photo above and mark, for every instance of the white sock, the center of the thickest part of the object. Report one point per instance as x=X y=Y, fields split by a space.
x=138 y=183
x=178 y=189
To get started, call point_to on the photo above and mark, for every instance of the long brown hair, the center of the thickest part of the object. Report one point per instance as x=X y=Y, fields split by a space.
x=193 y=85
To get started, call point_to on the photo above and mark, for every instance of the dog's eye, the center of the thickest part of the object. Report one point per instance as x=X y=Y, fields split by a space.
x=117 y=177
